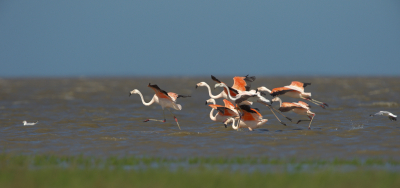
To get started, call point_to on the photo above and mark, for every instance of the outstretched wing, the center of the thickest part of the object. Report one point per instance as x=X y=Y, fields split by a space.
x=233 y=91
x=161 y=93
x=250 y=113
x=298 y=85
x=304 y=104
x=281 y=91
x=288 y=106
x=241 y=83
x=228 y=104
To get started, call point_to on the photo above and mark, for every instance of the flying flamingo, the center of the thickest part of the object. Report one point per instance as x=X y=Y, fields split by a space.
x=251 y=95
x=294 y=90
x=300 y=108
x=166 y=100
x=239 y=85
x=223 y=111
x=391 y=116
x=251 y=119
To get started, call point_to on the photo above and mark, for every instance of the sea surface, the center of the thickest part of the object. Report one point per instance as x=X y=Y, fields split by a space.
x=97 y=117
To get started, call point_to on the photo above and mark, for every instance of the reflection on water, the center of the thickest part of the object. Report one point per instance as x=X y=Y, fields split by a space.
x=95 y=116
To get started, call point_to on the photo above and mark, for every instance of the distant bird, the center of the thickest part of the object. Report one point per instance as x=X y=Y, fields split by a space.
x=29 y=124
x=166 y=100
x=239 y=84
x=253 y=96
x=391 y=116
x=294 y=90
x=300 y=108
x=224 y=112
x=250 y=119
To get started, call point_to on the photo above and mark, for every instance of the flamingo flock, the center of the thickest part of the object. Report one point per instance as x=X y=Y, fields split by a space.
x=238 y=100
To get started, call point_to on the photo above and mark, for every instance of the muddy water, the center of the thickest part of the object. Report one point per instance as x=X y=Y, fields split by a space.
x=95 y=116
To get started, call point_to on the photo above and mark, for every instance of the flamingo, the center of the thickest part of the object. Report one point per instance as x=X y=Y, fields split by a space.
x=166 y=100
x=223 y=111
x=240 y=84
x=251 y=95
x=294 y=90
x=391 y=116
x=251 y=119
x=300 y=108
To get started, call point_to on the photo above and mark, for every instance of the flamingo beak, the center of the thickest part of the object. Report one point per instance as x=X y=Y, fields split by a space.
x=130 y=94
x=197 y=86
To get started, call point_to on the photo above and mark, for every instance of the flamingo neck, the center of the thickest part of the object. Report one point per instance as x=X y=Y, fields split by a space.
x=214 y=118
x=229 y=93
x=211 y=95
x=280 y=102
x=233 y=124
x=144 y=102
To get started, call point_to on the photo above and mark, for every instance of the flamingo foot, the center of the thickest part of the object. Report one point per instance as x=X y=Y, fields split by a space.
x=322 y=106
x=164 y=121
x=176 y=119
x=298 y=122
x=290 y=119
x=283 y=123
x=326 y=104
x=146 y=120
x=309 y=128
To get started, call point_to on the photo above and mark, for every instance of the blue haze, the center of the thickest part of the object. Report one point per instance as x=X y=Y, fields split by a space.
x=185 y=38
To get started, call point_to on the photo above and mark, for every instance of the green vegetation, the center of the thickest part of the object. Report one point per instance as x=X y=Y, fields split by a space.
x=79 y=171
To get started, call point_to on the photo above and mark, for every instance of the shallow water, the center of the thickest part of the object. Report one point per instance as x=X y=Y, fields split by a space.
x=95 y=116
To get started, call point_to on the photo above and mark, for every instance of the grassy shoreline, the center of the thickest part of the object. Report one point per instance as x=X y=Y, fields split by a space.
x=81 y=171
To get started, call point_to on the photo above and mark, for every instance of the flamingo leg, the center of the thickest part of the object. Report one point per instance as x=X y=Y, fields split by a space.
x=276 y=116
x=320 y=102
x=176 y=119
x=312 y=100
x=290 y=119
x=309 y=126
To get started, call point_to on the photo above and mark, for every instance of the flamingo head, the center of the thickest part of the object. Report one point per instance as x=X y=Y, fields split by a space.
x=135 y=91
x=219 y=85
x=276 y=99
x=201 y=84
x=210 y=101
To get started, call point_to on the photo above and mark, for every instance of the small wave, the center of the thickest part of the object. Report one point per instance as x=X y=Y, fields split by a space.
x=383 y=104
x=357 y=127
x=113 y=138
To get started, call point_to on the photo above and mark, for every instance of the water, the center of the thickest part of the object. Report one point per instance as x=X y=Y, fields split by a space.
x=95 y=116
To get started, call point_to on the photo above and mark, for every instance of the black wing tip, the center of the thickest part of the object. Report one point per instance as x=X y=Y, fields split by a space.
x=221 y=109
x=184 y=96
x=249 y=78
x=306 y=84
x=215 y=79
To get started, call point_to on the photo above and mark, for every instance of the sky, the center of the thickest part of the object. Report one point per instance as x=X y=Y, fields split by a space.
x=47 y=38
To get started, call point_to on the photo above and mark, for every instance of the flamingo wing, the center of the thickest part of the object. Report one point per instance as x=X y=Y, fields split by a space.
x=298 y=85
x=241 y=83
x=223 y=110
x=250 y=114
x=159 y=92
x=288 y=106
x=233 y=91
x=228 y=104
x=281 y=91
x=304 y=104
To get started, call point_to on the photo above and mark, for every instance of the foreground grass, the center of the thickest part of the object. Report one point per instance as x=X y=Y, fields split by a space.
x=66 y=171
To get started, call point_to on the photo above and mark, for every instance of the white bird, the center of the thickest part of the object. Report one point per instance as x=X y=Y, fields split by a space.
x=166 y=100
x=300 y=108
x=29 y=124
x=252 y=96
x=251 y=119
x=391 y=116
x=224 y=112
x=294 y=90
x=240 y=84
